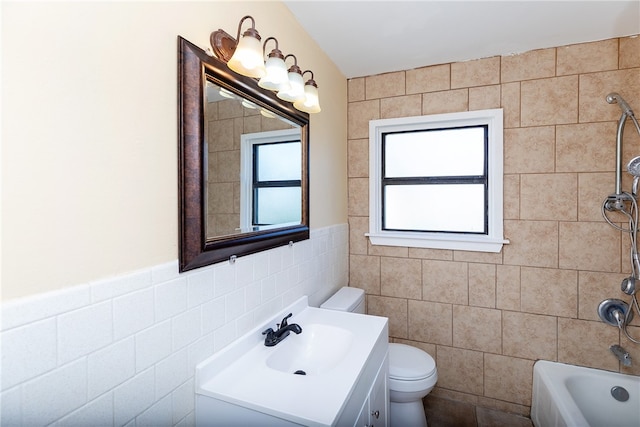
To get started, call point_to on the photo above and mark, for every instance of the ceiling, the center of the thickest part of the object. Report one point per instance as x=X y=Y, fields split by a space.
x=371 y=37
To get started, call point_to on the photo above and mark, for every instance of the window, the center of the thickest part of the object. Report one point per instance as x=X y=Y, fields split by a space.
x=271 y=187
x=436 y=181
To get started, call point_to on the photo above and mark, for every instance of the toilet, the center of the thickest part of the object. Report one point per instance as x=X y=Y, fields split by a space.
x=412 y=372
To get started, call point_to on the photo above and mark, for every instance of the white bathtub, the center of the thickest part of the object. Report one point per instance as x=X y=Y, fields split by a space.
x=573 y=396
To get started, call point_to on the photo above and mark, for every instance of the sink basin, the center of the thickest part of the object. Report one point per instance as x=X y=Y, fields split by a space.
x=317 y=350
x=335 y=350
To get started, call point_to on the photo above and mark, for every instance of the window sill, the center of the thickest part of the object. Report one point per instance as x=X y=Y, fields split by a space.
x=438 y=241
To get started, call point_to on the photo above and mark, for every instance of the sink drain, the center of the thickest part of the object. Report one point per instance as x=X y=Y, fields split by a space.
x=620 y=393
x=301 y=372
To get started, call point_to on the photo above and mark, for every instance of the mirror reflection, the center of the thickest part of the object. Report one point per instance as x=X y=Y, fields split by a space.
x=254 y=166
x=243 y=174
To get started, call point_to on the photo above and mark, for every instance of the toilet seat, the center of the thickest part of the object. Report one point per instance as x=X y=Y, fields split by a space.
x=407 y=363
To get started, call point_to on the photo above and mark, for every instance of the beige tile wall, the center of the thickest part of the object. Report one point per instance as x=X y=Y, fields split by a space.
x=486 y=318
x=226 y=121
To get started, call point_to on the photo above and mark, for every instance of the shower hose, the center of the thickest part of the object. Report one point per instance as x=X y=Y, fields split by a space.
x=631 y=214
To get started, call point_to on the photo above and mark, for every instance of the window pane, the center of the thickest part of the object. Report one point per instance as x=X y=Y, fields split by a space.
x=456 y=208
x=279 y=205
x=446 y=152
x=274 y=162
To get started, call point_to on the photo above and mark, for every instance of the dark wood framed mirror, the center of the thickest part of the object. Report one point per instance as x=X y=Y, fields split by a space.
x=223 y=208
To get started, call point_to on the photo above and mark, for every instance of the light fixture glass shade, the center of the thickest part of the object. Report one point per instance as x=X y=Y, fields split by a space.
x=296 y=91
x=311 y=102
x=248 y=58
x=276 y=77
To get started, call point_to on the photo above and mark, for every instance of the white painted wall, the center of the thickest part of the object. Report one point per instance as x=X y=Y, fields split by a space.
x=89 y=133
x=98 y=327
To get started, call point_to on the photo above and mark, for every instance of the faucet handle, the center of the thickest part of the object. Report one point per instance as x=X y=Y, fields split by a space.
x=270 y=340
x=284 y=322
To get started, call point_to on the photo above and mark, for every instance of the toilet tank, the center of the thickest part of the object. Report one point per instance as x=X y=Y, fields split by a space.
x=346 y=299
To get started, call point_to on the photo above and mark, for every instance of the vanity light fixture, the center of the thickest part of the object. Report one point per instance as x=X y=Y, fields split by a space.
x=276 y=77
x=296 y=91
x=310 y=103
x=244 y=56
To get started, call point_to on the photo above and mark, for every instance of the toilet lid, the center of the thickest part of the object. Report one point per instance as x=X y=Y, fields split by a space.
x=409 y=363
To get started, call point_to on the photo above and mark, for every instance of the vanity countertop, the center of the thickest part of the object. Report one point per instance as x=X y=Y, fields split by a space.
x=243 y=373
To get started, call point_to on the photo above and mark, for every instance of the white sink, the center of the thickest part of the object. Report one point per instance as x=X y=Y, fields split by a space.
x=335 y=350
x=317 y=350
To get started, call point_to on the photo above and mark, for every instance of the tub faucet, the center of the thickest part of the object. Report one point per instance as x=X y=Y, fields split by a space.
x=274 y=337
x=622 y=354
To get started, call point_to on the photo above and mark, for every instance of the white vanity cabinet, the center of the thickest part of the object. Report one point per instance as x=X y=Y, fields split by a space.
x=375 y=411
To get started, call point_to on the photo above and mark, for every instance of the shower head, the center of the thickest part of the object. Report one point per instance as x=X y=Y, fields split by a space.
x=633 y=167
x=614 y=98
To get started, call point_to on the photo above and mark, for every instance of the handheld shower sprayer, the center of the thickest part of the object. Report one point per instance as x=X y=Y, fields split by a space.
x=628 y=285
x=633 y=167
x=615 y=98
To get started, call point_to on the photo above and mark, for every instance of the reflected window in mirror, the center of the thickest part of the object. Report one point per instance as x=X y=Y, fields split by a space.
x=271 y=191
x=230 y=120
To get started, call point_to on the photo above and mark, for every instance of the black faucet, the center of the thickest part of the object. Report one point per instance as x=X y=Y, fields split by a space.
x=274 y=337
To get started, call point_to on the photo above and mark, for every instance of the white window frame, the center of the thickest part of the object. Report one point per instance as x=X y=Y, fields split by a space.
x=491 y=242
x=247 y=141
